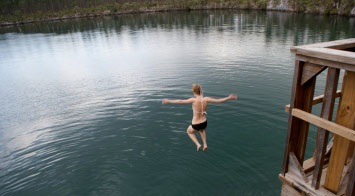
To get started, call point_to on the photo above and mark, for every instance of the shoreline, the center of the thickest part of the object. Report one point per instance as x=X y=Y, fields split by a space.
x=163 y=9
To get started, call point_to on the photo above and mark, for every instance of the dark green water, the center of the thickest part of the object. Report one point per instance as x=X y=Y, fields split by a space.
x=81 y=113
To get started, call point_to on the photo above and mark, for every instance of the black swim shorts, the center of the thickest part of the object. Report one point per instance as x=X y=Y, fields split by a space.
x=199 y=127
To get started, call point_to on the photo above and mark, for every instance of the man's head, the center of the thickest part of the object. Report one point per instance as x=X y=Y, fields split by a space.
x=196 y=89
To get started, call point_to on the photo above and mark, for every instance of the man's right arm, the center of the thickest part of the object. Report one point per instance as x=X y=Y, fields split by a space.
x=217 y=101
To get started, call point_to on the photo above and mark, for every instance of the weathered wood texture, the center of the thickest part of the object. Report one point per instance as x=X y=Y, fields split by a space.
x=338 y=44
x=302 y=98
x=297 y=73
x=308 y=165
x=345 y=117
x=326 y=113
x=311 y=70
x=330 y=54
x=308 y=93
x=325 y=62
x=287 y=190
x=295 y=168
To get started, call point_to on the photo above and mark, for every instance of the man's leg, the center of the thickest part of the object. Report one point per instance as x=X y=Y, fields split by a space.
x=203 y=136
x=191 y=132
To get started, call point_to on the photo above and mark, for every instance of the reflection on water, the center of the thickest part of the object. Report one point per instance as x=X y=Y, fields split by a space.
x=80 y=110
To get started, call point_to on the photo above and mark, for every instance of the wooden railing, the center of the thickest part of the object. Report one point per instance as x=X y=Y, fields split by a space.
x=325 y=124
x=329 y=157
x=316 y=100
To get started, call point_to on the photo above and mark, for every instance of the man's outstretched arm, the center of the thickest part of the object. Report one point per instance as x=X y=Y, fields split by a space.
x=178 y=101
x=217 y=101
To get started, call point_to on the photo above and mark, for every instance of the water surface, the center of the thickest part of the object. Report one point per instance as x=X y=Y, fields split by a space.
x=81 y=113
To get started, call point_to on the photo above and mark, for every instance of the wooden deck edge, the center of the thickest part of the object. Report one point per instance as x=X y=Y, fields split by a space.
x=338 y=44
x=329 y=54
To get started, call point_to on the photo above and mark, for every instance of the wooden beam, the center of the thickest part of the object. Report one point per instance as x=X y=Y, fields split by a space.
x=325 y=62
x=308 y=165
x=326 y=113
x=290 y=136
x=306 y=99
x=320 y=99
x=338 y=44
x=302 y=97
x=335 y=55
x=346 y=118
x=350 y=190
x=342 y=131
x=311 y=70
x=316 y=100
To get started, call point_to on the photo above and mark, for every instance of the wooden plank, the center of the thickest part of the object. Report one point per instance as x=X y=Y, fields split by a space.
x=295 y=168
x=311 y=70
x=316 y=100
x=342 y=131
x=307 y=99
x=346 y=118
x=324 y=62
x=335 y=55
x=338 y=44
x=308 y=165
x=302 y=97
x=290 y=136
x=320 y=99
x=350 y=190
x=326 y=113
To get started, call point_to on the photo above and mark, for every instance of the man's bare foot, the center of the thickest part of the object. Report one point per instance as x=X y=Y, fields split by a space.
x=204 y=148
x=199 y=148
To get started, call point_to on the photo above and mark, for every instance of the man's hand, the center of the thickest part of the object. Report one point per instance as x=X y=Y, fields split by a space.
x=231 y=96
x=165 y=101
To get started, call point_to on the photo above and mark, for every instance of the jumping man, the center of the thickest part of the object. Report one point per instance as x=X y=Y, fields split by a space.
x=199 y=106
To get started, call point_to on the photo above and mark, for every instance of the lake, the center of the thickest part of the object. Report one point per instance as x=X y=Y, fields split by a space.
x=81 y=112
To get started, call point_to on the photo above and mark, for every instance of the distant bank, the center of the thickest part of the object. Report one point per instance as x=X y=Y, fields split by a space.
x=13 y=12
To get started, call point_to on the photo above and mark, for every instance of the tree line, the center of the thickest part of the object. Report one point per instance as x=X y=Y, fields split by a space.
x=9 y=7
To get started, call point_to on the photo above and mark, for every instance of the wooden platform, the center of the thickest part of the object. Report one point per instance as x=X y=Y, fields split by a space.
x=331 y=170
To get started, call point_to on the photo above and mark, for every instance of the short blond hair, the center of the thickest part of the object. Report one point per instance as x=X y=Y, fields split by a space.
x=196 y=88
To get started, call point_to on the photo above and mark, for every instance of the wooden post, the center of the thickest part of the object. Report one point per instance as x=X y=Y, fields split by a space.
x=326 y=113
x=297 y=73
x=307 y=99
x=302 y=98
x=345 y=117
